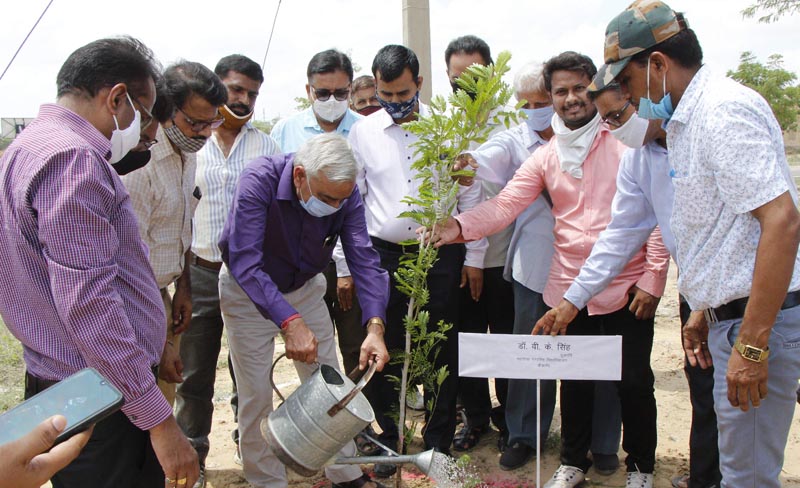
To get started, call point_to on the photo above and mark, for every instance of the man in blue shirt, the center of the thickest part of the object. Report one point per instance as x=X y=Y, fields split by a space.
x=287 y=214
x=330 y=78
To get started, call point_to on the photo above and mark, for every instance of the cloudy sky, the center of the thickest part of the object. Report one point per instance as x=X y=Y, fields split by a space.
x=204 y=31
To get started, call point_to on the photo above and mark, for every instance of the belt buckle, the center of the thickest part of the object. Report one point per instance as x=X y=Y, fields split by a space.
x=710 y=315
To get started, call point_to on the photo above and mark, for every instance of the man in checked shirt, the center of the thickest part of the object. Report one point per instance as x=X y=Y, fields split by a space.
x=75 y=284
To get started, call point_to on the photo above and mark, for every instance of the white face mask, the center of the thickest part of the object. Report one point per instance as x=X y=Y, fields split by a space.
x=632 y=132
x=123 y=140
x=331 y=109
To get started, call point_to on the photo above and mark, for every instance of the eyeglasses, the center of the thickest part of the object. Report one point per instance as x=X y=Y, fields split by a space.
x=340 y=94
x=612 y=118
x=201 y=125
x=150 y=143
x=147 y=116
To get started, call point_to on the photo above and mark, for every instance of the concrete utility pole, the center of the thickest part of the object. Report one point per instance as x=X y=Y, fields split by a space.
x=417 y=37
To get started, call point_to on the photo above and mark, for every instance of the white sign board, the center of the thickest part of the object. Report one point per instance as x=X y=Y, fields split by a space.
x=540 y=357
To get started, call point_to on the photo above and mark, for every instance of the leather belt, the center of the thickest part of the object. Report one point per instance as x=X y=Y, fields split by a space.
x=392 y=247
x=34 y=384
x=204 y=263
x=735 y=309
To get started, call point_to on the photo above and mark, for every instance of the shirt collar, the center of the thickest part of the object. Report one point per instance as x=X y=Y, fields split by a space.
x=163 y=148
x=77 y=124
x=691 y=96
x=286 y=189
x=350 y=118
x=387 y=121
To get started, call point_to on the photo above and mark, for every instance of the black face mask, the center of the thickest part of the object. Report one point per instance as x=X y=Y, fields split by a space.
x=131 y=162
x=455 y=88
x=369 y=109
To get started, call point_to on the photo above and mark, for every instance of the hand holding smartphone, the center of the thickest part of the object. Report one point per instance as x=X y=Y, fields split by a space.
x=84 y=399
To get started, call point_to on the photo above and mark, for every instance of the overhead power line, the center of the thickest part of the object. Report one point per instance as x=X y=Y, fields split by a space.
x=31 y=32
x=269 y=42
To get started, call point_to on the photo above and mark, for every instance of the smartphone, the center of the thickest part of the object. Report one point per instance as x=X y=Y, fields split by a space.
x=84 y=398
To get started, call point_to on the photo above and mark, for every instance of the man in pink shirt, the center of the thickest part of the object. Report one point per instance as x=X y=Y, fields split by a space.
x=578 y=170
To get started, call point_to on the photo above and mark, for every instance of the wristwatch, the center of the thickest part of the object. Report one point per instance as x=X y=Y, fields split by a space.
x=751 y=353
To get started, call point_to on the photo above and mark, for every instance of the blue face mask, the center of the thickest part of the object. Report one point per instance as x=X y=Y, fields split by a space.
x=539 y=118
x=662 y=110
x=400 y=110
x=316 y=207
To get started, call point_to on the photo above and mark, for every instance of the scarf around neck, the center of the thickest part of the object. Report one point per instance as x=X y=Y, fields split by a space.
x=572 y=146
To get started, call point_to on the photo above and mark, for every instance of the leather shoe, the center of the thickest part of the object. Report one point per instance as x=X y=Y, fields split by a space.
x=359 y=482
x=516 y=456
x=605 y=464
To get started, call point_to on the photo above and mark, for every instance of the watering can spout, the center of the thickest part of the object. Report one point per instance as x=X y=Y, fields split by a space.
x=423 y=461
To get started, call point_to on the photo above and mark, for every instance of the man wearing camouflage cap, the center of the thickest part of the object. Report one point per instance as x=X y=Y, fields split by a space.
x=736 y=227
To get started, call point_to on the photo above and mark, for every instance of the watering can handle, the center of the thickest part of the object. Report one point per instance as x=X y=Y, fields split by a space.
x=356 y=390
x=272 y=380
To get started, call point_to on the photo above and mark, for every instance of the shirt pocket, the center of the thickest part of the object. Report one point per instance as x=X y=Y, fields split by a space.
x=697 y=202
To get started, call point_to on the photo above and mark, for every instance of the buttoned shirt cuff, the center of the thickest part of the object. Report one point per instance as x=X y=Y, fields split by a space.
x=475 y=255
x=577 y=296
x=341 y=263
x=465 y=231
x=652 y=283
x=281 y=312
x=148 y=410
x=342 y=270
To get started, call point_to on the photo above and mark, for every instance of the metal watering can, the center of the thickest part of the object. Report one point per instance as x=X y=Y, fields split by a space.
x=318 y=419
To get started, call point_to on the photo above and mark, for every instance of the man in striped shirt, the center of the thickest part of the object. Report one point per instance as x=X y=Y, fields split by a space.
x=219 y=163
x=75 y=284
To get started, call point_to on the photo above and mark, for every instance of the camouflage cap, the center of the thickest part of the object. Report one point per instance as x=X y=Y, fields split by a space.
x=641 y=26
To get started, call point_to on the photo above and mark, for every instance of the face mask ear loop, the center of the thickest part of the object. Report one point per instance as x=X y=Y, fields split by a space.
x=648 y=79
x=664 y=85
x=308 y=184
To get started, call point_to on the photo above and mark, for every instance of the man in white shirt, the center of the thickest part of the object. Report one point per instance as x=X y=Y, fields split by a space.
x=231 y=146
x=486 y=299
x=384 y=150
x=162 y=192
x=736 y=227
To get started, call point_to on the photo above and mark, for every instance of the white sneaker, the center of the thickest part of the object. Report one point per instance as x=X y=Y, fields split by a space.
x=415 y=399
x=566 y=477
x=639 y=480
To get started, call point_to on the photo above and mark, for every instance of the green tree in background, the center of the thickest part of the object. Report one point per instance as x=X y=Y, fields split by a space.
x=773 y=9
x=302 y=103
x=774 y=83
x=265 y=125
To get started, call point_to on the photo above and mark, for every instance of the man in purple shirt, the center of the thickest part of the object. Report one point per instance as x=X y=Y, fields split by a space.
x=75 y=284
x=287 y=213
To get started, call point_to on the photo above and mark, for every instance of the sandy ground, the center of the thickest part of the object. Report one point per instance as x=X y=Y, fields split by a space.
x=674 y=419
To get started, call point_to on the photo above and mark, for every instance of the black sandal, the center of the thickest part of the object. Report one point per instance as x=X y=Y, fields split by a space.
x=468 y=437
x=365 y=446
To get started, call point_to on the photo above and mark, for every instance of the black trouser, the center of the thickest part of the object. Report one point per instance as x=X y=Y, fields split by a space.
x=495 y=309
x=443 y=280
x=350 y=329
x=635 y=390
x=118 y=455
x=703 y=447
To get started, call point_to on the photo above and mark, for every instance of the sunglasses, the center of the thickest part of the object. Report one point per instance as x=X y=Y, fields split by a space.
x=323 y=94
